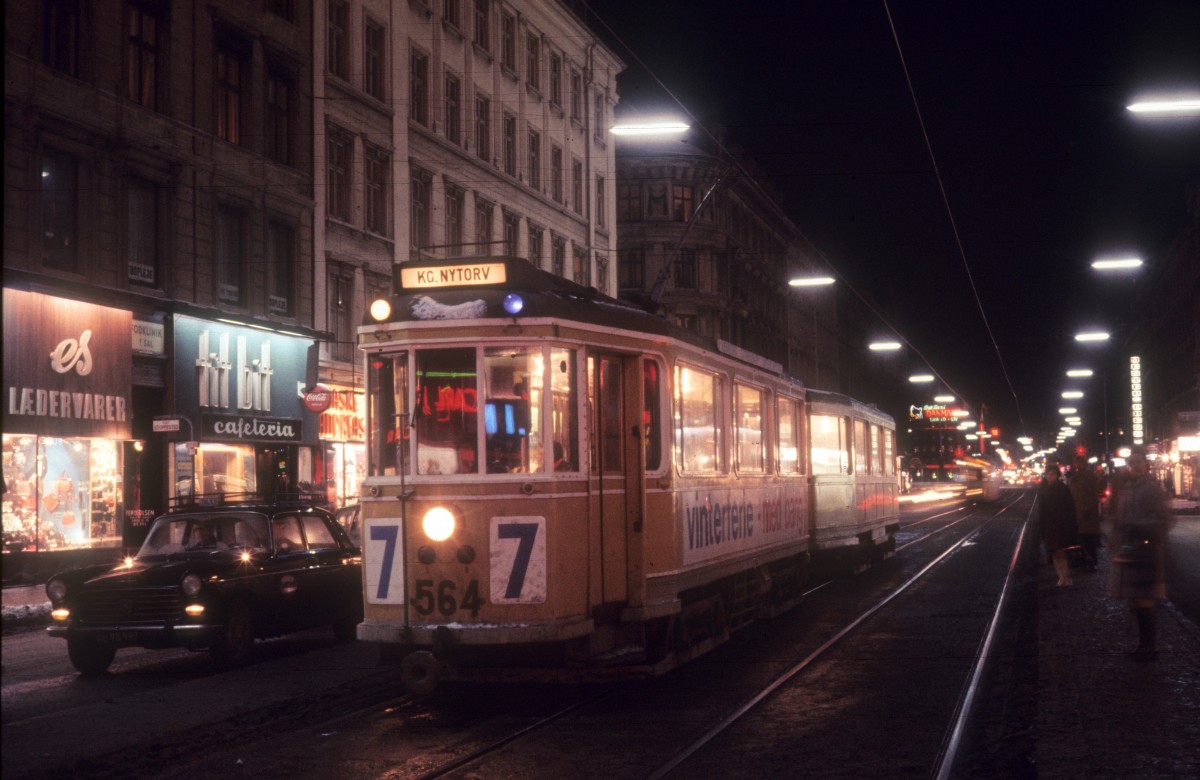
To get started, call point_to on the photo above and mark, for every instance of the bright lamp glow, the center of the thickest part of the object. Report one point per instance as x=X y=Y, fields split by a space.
x=513 y=304
x=438 y=523
x=1118 y=264
x=1096 y=335
x=811 y=281
x=919 y=379
x=380 y=309
x=1072 y=394
x=1079 y=372
x=1068 y=410
x=943 y=399
x=650 y=127
x=1188 y=105
x=884 y=346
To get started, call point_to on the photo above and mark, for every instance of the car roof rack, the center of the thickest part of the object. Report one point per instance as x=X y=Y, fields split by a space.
x=227 y=499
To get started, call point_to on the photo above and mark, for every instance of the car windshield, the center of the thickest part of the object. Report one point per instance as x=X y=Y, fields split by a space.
x=206 y=534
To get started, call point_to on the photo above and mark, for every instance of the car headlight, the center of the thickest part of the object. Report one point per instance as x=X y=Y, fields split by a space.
x=56 y=589
x=190 y=585
x=438 y=523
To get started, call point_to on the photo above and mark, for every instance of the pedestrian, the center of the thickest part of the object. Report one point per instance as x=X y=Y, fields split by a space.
x=1085 y=489
x=1139 y=542
x=1056 y=522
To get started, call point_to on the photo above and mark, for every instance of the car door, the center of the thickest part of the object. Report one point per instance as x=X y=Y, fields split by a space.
x=333 y=582
x=294 y=591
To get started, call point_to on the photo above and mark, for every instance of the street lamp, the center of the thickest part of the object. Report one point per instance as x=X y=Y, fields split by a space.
x=1118 y=264
x=654 y=127
x=1090 y=336
x=920 y=379
x=1178 y=106
x=811 y=281
x=884 y=346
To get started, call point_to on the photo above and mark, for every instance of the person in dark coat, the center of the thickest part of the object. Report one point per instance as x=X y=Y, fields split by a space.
x=1139 y=544
x=1056 y=522
x=1085 y=489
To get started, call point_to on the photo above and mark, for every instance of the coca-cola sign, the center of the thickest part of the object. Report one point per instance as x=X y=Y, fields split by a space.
x=318 y=399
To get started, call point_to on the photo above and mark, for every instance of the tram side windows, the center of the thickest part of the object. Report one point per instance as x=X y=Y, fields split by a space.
x=889 y=459
x=564 y=411
x=387 y=407
x=830 y=444
x=751 y=444
x=698 y=420
x=446 y=413
x=514 y=436
x=860 y=447
x=652 y=414
x=876 y=451
x=788 y=438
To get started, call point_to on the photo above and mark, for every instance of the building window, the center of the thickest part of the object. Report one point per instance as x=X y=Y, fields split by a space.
x=599 y=121
x=535 y=245
x=512 y=228
x=685 y=270
x=602 y=274
x=582 y=269
x=556 y=174
x=510 y=144
x=576 y=96
x=629 y=202
x=454 y=219
x=339 y=147
x=481 y=25
x=338 y=39
x=141 y=57
x=418 y=109
x=376 y=165
x=59 y=210
x=601 y=211
x=577 y=186
x=533 y=60
x=558 y=255
x=61 y=35
x=227 y=93
x=141 y=231
x=631 y=269
x=279 y=110
x=341 y=312
x=483 y=226
x=231 y=260
x=374 y=61
x=452 y=13
x=535 y=160
x=483 y=127
x=284 y=9
x=420 y=208
x=508 y=41
x=555 y=80
x=683 y=202
x=453 y=109
x=281 y=260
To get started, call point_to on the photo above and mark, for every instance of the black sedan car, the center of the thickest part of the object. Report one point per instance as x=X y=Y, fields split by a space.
x=213 y=577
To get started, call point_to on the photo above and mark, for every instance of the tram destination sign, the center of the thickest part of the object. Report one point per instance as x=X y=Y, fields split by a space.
x=458 y=275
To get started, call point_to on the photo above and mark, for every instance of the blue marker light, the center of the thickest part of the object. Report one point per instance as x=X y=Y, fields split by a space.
x=513 y=304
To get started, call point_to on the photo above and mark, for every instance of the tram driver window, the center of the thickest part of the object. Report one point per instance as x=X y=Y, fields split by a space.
x=446 y=413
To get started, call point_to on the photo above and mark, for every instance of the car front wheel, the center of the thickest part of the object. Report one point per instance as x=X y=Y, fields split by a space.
x=237 y=641
x=89 y=657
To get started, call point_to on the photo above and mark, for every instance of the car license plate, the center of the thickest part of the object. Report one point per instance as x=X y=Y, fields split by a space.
x=116 y=637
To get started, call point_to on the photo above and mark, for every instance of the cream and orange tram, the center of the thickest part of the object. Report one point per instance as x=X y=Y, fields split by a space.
x=561 y=485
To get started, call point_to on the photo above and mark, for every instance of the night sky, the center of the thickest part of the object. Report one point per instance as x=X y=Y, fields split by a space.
x=1024 y=104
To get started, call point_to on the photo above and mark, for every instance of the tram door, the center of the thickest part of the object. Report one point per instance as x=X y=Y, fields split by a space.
x=614 y=403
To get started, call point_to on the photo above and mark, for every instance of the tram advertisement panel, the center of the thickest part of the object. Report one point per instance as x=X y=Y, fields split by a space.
x=718 y=522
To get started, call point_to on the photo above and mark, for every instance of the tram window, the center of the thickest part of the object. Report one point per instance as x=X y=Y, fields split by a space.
x=605 y=389
x=698 y=419
x=447 y=411
x=514 y=379
x=651 y=415
x=387 y=403
x=788 y=435
x=860 y=447
x=564 y=406
x=889 y=460
x=751 y=446
x=830 y=447
x=876 y=451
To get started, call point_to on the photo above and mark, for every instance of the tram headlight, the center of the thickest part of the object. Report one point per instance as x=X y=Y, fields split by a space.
x=380 y=310
x=438 y=523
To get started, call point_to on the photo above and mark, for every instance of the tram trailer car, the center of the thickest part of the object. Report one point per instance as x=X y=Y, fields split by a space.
x=564 y=486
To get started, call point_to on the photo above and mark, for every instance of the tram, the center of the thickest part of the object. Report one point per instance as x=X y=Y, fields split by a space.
x=562 y=485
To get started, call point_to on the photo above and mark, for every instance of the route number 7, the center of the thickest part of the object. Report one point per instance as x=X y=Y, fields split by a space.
x=383 y=561
x=518 y=560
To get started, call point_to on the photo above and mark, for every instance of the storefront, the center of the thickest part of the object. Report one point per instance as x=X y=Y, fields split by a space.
x=240 y=392
x=67 y=423
x=344 y=439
